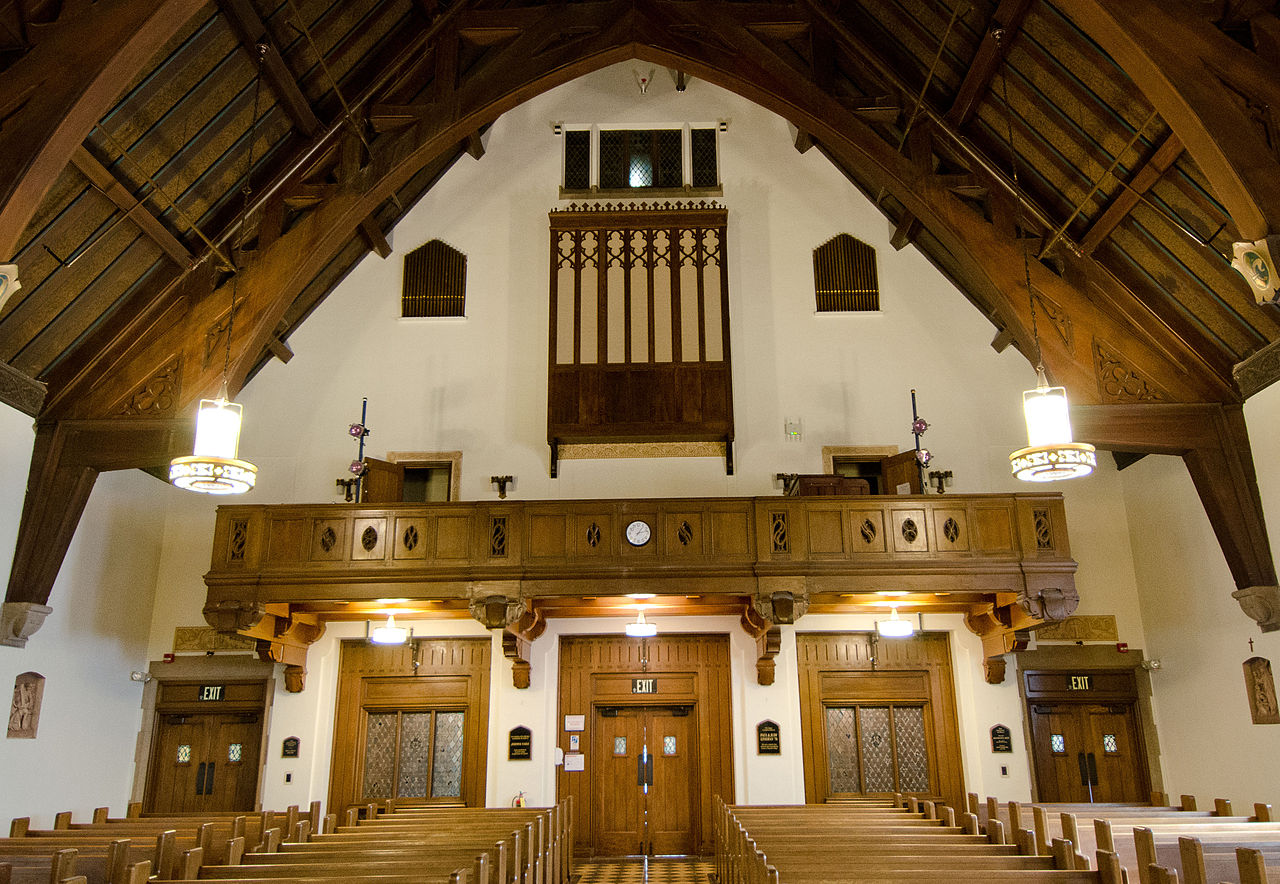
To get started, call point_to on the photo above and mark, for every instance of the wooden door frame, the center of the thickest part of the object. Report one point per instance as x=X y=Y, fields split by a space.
x=1086 y=660
x=224 y=669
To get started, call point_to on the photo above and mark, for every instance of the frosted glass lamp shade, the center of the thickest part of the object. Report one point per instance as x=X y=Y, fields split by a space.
x=213 y=467
x=1050 y=453
x=389 y=633
x=641 y=628
x=895 y=627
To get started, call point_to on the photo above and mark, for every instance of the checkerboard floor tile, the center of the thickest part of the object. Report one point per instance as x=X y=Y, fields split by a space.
x=664 y=870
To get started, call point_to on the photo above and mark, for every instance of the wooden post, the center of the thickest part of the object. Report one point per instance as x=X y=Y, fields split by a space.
x=100 y=814
x=995 y=832
x=19 y=827
x=1192 y=854
x=118 y=861
x=134 y=810
x=1109 y=869
x=235 y=850
x=1262 y=813
x=1221 y=807
x=1064 y=854
x=189 y=864
x=969 y=822
x=948 y=816
x=1145 y=844
x=1102 y=834
x=62 y=820
x=1188 y=802
x=972 y=803
x=1159 y=799
x=1040 y=820
x=1252 y=868
x=139 y=872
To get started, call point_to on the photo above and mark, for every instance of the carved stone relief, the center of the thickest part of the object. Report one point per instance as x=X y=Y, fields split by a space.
x=1118 y=382
x=204 y=638
x=1100 y=628
x=158 y=395
x=24 y=711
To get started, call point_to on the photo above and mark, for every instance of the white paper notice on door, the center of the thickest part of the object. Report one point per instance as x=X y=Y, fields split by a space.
x=575 y=722
x=575 y=761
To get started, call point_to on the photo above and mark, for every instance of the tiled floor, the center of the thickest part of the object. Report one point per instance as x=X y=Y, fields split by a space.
x=664 y=870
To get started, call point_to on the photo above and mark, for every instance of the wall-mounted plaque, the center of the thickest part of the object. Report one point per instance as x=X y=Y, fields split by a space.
x=289 y=748
x=520 y=744
x=768 y=738
x=1263 y=706
x=575 y=722
x=1001 y=739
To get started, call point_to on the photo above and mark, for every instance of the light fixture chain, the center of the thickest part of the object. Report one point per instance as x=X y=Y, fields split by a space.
x=999 y=34
x=244 y=211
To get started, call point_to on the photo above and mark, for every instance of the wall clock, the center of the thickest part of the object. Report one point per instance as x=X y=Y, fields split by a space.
x=638 y=532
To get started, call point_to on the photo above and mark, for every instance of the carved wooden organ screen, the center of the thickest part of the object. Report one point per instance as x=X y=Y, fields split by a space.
x=639 y=331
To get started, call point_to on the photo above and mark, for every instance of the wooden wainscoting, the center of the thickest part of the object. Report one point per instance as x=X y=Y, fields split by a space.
x=688 y=710
x=873 y=721
x=385 y=703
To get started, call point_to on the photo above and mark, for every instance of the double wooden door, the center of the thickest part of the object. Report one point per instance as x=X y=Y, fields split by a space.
x=645 y=780
x=1087 y=752
x=205 y=762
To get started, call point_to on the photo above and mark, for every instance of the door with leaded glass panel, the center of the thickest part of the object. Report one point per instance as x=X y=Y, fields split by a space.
x=204 y=763
x=878 y=749
x=413 y=756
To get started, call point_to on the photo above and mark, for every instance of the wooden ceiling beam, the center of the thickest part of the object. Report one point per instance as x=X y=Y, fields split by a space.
x=251 y=31
x=1131 y=194
x=1209 y=92
x=55 y=94
x=135 y=210
x=1213 y=441
x=1006 y=19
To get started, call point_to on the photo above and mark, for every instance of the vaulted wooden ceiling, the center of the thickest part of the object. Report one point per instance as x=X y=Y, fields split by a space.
x=1144 y=133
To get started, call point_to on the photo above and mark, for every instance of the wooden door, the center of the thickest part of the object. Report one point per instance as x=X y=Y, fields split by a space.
x=383 y=482
x=901 y=469
x=1087 y=752
x=205 y=762
x=645 y=781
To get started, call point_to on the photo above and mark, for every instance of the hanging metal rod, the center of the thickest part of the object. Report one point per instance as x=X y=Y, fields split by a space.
x=1057 y=234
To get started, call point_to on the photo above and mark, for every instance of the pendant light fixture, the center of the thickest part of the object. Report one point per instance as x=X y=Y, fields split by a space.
x=1050 y=453
x=895 y=626
x=388 y=633
x=214 y=466
x=641 y=628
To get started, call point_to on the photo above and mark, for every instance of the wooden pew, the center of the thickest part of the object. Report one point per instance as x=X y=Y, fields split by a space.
x=758 y=845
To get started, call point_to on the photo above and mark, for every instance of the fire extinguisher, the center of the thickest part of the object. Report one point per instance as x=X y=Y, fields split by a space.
x=518 y=801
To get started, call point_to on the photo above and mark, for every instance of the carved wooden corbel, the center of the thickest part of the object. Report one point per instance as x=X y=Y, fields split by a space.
x=516 y=649
x=1003 y=628
x=768 y=642
x=283 y=636
x=993 y=669
x=782 y=599
x=497 y=606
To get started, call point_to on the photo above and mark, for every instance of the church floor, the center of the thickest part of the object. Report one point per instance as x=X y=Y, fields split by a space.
x=663 y=870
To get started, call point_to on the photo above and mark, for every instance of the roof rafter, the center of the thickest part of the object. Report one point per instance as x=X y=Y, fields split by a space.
x=252 y=33
x=1007 y=21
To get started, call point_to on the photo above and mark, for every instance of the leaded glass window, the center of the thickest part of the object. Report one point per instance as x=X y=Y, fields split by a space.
x=1057 y=743
x=413 y=754
x=877 y=749
x=641 y=159
x=1109 y=743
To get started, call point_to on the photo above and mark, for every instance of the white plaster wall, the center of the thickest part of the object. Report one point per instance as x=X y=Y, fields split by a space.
x=1196 y=629
x=82 y=756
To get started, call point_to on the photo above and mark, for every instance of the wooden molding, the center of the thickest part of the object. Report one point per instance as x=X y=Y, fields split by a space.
x=767 y=647
x=1259 y=371
x=516 y=649
x=19 y=391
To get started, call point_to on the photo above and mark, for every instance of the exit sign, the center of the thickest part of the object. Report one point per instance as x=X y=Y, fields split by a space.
x=1080 y=682
x=644 y=686
x=211 y=691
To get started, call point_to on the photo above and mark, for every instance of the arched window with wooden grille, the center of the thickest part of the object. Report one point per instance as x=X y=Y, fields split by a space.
x=435 y=281
x=844 y=276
